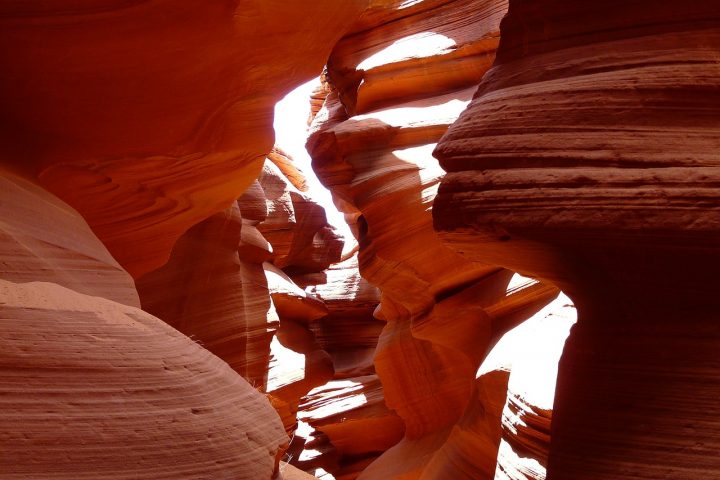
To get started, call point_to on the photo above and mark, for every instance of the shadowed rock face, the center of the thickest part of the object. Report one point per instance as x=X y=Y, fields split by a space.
x=589 y=157
x=148 y=117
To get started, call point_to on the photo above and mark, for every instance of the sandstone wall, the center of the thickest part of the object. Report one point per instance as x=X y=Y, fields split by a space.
x=143 y=119
x=589 y=157
x=148 y=117
x=397 y=82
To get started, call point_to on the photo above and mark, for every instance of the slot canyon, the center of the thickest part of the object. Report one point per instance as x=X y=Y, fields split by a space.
x=360 y=239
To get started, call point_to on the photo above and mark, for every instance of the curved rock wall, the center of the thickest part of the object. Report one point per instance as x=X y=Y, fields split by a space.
x=44 y=239
x=148 y=117
x=371 y=146
x=589 y=157
x=90 y=388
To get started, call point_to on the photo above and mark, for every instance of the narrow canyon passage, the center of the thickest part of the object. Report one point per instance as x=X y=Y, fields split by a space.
x=350 y=416
x=267 y=239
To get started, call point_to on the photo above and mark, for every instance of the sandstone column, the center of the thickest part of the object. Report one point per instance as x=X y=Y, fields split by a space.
x=589 y=157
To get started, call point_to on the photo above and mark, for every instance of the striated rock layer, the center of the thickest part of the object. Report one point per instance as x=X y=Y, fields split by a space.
x=93 y=387
x=44 y=239
x=589 y=157
x=90 y=388
x=148 y=117
x=211 y=293
x=396 y=83
x=223 y=287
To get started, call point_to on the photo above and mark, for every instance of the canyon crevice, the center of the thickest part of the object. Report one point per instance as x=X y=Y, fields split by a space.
x=178 y=302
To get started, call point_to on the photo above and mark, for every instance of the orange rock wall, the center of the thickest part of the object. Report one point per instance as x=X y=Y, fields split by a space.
x=371 y=145
x=148 y=117
x=93 y=387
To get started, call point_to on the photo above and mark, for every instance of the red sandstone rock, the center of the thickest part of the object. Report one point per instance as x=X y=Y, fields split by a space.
x=443 y=312
x=44 y=239
x=352 y=414
x=349 y=332
x=106 y=390
x=589 y=157
x=208 y=292
x=286 y=165
x=298 y=363
x=465 y=450
x=401 y=52
x=289 y=472
x=148 y=117
x=296 y=226
x=345 y=424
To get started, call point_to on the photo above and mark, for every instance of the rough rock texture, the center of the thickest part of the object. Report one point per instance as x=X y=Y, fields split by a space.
x=589 y=157
x=371 y=145
x=148 y=117
x=109 y=391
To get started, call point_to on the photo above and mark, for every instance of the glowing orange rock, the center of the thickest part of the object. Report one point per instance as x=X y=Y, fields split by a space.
x=371 y=145
x=296 y=226
x=148 y=117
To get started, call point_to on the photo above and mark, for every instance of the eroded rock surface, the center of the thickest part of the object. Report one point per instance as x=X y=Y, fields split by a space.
x=589 y=157
x=44 y=239
x=371 y=145
x=148 y=117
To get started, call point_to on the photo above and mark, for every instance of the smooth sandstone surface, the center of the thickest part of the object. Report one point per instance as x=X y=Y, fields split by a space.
x=211 y=293
x=90 y=388
x=148 y=117
x=44 y=239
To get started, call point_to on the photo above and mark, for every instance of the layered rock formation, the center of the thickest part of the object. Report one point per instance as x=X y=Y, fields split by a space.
x=93 y=387
x=589 y=157
x=371 y=145
x=43 y=239
x=148 y=117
